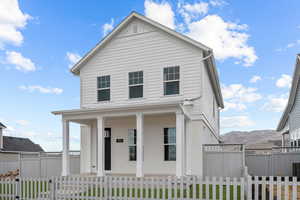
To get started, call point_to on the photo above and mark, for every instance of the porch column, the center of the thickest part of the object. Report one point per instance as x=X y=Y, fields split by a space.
x=180 y=141
x=100 y=153
x=139 y=144
x=66 y=149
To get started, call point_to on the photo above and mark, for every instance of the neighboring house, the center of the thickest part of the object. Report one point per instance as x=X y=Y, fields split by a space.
x=1 y=134
x=16 y=144
x=289 y=124
x=150 y=97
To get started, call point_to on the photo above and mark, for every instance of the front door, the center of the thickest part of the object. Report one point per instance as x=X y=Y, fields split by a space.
x=107 y=145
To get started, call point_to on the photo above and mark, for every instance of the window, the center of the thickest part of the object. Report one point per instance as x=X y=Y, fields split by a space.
x=103 y=86
x=136 y=82
x=132 y=144
x=170 y=144
x=171 y=80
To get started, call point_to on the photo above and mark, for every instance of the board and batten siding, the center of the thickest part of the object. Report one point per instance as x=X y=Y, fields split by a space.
x=294 y=118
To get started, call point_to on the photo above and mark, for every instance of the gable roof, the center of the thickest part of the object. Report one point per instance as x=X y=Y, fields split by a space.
x=292 y=96
x=20 y=144
x=211 y=63
x=76 y=68
x=2 y=125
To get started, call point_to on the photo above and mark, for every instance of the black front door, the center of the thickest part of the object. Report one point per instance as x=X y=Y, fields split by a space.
x=107 y=145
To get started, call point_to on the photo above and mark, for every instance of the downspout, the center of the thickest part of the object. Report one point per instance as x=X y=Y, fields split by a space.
x=189 y=102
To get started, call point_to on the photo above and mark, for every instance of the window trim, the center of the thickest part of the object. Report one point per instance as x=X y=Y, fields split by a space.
x=168 y=144
x=169 y=81
x=133 y=85
x=104 y=88
x=132 y=145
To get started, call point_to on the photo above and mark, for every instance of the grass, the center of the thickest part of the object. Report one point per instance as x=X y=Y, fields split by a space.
x=158 y=193
x=33 y=188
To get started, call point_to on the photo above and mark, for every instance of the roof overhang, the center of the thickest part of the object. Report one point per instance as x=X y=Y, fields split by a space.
x=125 y=108
x=2 y=126
x=292 y=96
x=213 y=75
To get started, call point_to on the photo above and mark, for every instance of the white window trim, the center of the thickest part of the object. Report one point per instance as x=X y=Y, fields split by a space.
x=169 y=144
x=131 y=145
x=132 y=85
x=99 y=89
x=169 y=81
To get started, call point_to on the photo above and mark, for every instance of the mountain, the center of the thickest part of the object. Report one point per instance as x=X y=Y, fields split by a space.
x=253 y=139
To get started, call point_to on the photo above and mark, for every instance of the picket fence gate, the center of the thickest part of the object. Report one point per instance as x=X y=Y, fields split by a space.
x=121 y=187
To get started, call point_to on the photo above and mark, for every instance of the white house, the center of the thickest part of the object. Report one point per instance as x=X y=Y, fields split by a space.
x=150 y=97
x=289 y=124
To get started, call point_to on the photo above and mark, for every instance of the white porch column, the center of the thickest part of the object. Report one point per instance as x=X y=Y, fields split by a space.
x=100 y=153
x=86 y=148
x=139 y=144
x=180 y=141
x=66 y=148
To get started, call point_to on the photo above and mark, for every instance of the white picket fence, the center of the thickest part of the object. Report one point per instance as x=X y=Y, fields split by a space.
x=121 y=187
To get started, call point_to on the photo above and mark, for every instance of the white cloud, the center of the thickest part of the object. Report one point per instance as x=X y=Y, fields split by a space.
x=21 y=63
x=192 y=11
x=288 y=46
x=45 y=90
x=238 y=91
x=227 y=39
x=12 y=19
x=276 y=103
x=217 y=2
x=236 y=122
x=255 y=78
x=234 y=106
x=73 y=58
x=236 y=96
x=284 y=81
x=160 y=12
x=107 y=27
x=22 y=122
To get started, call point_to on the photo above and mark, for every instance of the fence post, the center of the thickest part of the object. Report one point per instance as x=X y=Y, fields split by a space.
x=52 y=188
x=18 y=188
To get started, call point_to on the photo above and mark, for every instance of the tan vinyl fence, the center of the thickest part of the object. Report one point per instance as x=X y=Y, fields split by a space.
x=226 y=160
x=44 y=164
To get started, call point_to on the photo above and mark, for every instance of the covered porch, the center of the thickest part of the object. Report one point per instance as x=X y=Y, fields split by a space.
x=137 y=142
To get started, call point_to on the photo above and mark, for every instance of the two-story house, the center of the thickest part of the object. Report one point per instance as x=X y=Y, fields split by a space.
x=289 y=124
x=150 y=97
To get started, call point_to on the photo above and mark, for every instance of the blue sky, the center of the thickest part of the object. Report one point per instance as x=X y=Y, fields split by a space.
x=40 y=40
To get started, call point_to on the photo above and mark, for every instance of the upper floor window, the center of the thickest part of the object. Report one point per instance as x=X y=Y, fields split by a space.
x=136 y=83
x=171 y=80
x=103 y=88
x=170 y=144
x=132 y=144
